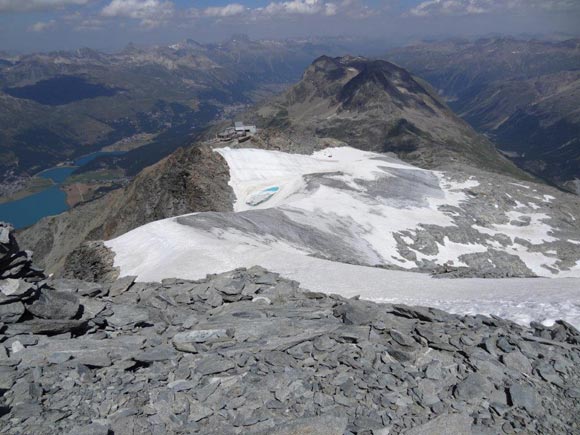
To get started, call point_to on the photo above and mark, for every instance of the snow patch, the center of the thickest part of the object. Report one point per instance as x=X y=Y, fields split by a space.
x=291 y=211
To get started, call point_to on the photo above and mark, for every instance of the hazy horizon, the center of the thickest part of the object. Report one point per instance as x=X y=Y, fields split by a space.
x=109 y=25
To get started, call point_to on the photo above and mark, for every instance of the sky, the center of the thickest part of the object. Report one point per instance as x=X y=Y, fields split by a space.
x=41 y=25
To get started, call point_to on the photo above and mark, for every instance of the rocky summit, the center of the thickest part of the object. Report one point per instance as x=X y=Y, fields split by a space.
x=248 y=352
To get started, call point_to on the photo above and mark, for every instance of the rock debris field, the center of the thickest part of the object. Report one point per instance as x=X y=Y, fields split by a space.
x=247 y=352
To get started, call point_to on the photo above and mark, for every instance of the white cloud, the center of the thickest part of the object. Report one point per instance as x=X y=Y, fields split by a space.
x=225 y=11
x=29 y=5
x=150 y=13
x=474 y=7
x=90 y=24
x=301 y=7
x=42 y=26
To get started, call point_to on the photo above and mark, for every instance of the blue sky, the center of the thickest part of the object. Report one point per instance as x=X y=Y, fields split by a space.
x=37 y=25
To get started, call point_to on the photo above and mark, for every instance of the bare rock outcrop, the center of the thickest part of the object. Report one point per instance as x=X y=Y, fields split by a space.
x=190 y=180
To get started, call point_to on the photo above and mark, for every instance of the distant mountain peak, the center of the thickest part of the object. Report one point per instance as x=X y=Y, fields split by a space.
x=378 y=106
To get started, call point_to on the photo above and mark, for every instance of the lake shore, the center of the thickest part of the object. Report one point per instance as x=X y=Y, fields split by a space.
x=33 y=186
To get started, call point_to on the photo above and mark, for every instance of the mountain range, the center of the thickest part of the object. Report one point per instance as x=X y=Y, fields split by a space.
x=55 y=107
x=342 y=269
x=522 y=94
x=524 y=226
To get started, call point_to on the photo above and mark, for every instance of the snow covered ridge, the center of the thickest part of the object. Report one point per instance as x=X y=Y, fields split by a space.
x=357 y=207
x=391 y=213
x=324 y=219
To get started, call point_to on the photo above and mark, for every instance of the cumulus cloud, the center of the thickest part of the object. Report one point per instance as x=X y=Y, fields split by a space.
x=89 y=24
x=224 y=11
x=474 y=7
x=42 y=26
x=301 y=7
x=30 y=5
x=150 y=13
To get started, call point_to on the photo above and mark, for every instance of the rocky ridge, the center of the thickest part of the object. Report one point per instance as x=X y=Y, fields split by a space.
x=377 y=106
x=522 y=94
x=249 y=352
x=192 y=179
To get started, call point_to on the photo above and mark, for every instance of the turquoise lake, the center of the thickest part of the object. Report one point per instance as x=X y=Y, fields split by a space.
x=51 y=201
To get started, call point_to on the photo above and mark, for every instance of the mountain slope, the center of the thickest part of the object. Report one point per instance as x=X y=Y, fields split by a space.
x=372 y=105
x=522 y=94
x=190 y=179
x=349 y=206
x=61 y=105
x=377 y=106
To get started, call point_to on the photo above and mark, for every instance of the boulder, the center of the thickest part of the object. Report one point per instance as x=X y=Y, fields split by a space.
x=12 y=312
x=55 y=305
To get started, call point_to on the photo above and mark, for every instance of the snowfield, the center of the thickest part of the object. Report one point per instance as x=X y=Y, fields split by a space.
x=324 y=219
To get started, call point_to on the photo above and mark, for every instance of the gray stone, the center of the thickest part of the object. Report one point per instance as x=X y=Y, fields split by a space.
x=446 y=424
x=517 y=361
x=12 y=312
x=474 y=387
x=325 y=425
x=421 y=313
x=126 y=315
x=403 y=340
x=186 y=341
x=90 y=429
x=181 y=385
x=121 y=285
x=42 y=326
x=156 y=354
x=548 y=373
x=213 y=364
x=199 y=412
x=355 y=313
x=93 y=358
x=524 y=396
x=14 y=289
x=433 y=371
x=229 y=287
x=8 y=377
x=55 y=305
x=5 y=230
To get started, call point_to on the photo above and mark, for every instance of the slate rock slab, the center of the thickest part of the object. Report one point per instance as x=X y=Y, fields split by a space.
x=213 y=364
x=325 y=425
x=121 y=285
x=474 y=387
x=200 y=335
x=90 y=429
x=15 y=289
x=125 y=315
x=43 y=326
x=55 y=305
x=446 y=424
x=524 y=396
x=12 y=312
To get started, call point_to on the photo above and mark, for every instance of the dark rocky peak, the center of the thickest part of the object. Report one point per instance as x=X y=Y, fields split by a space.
x=357 y=83
x=192 y=43
x=325 y=68
x=379 y=80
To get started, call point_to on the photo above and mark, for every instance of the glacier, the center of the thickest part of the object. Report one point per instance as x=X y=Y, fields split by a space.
x=327 y=220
